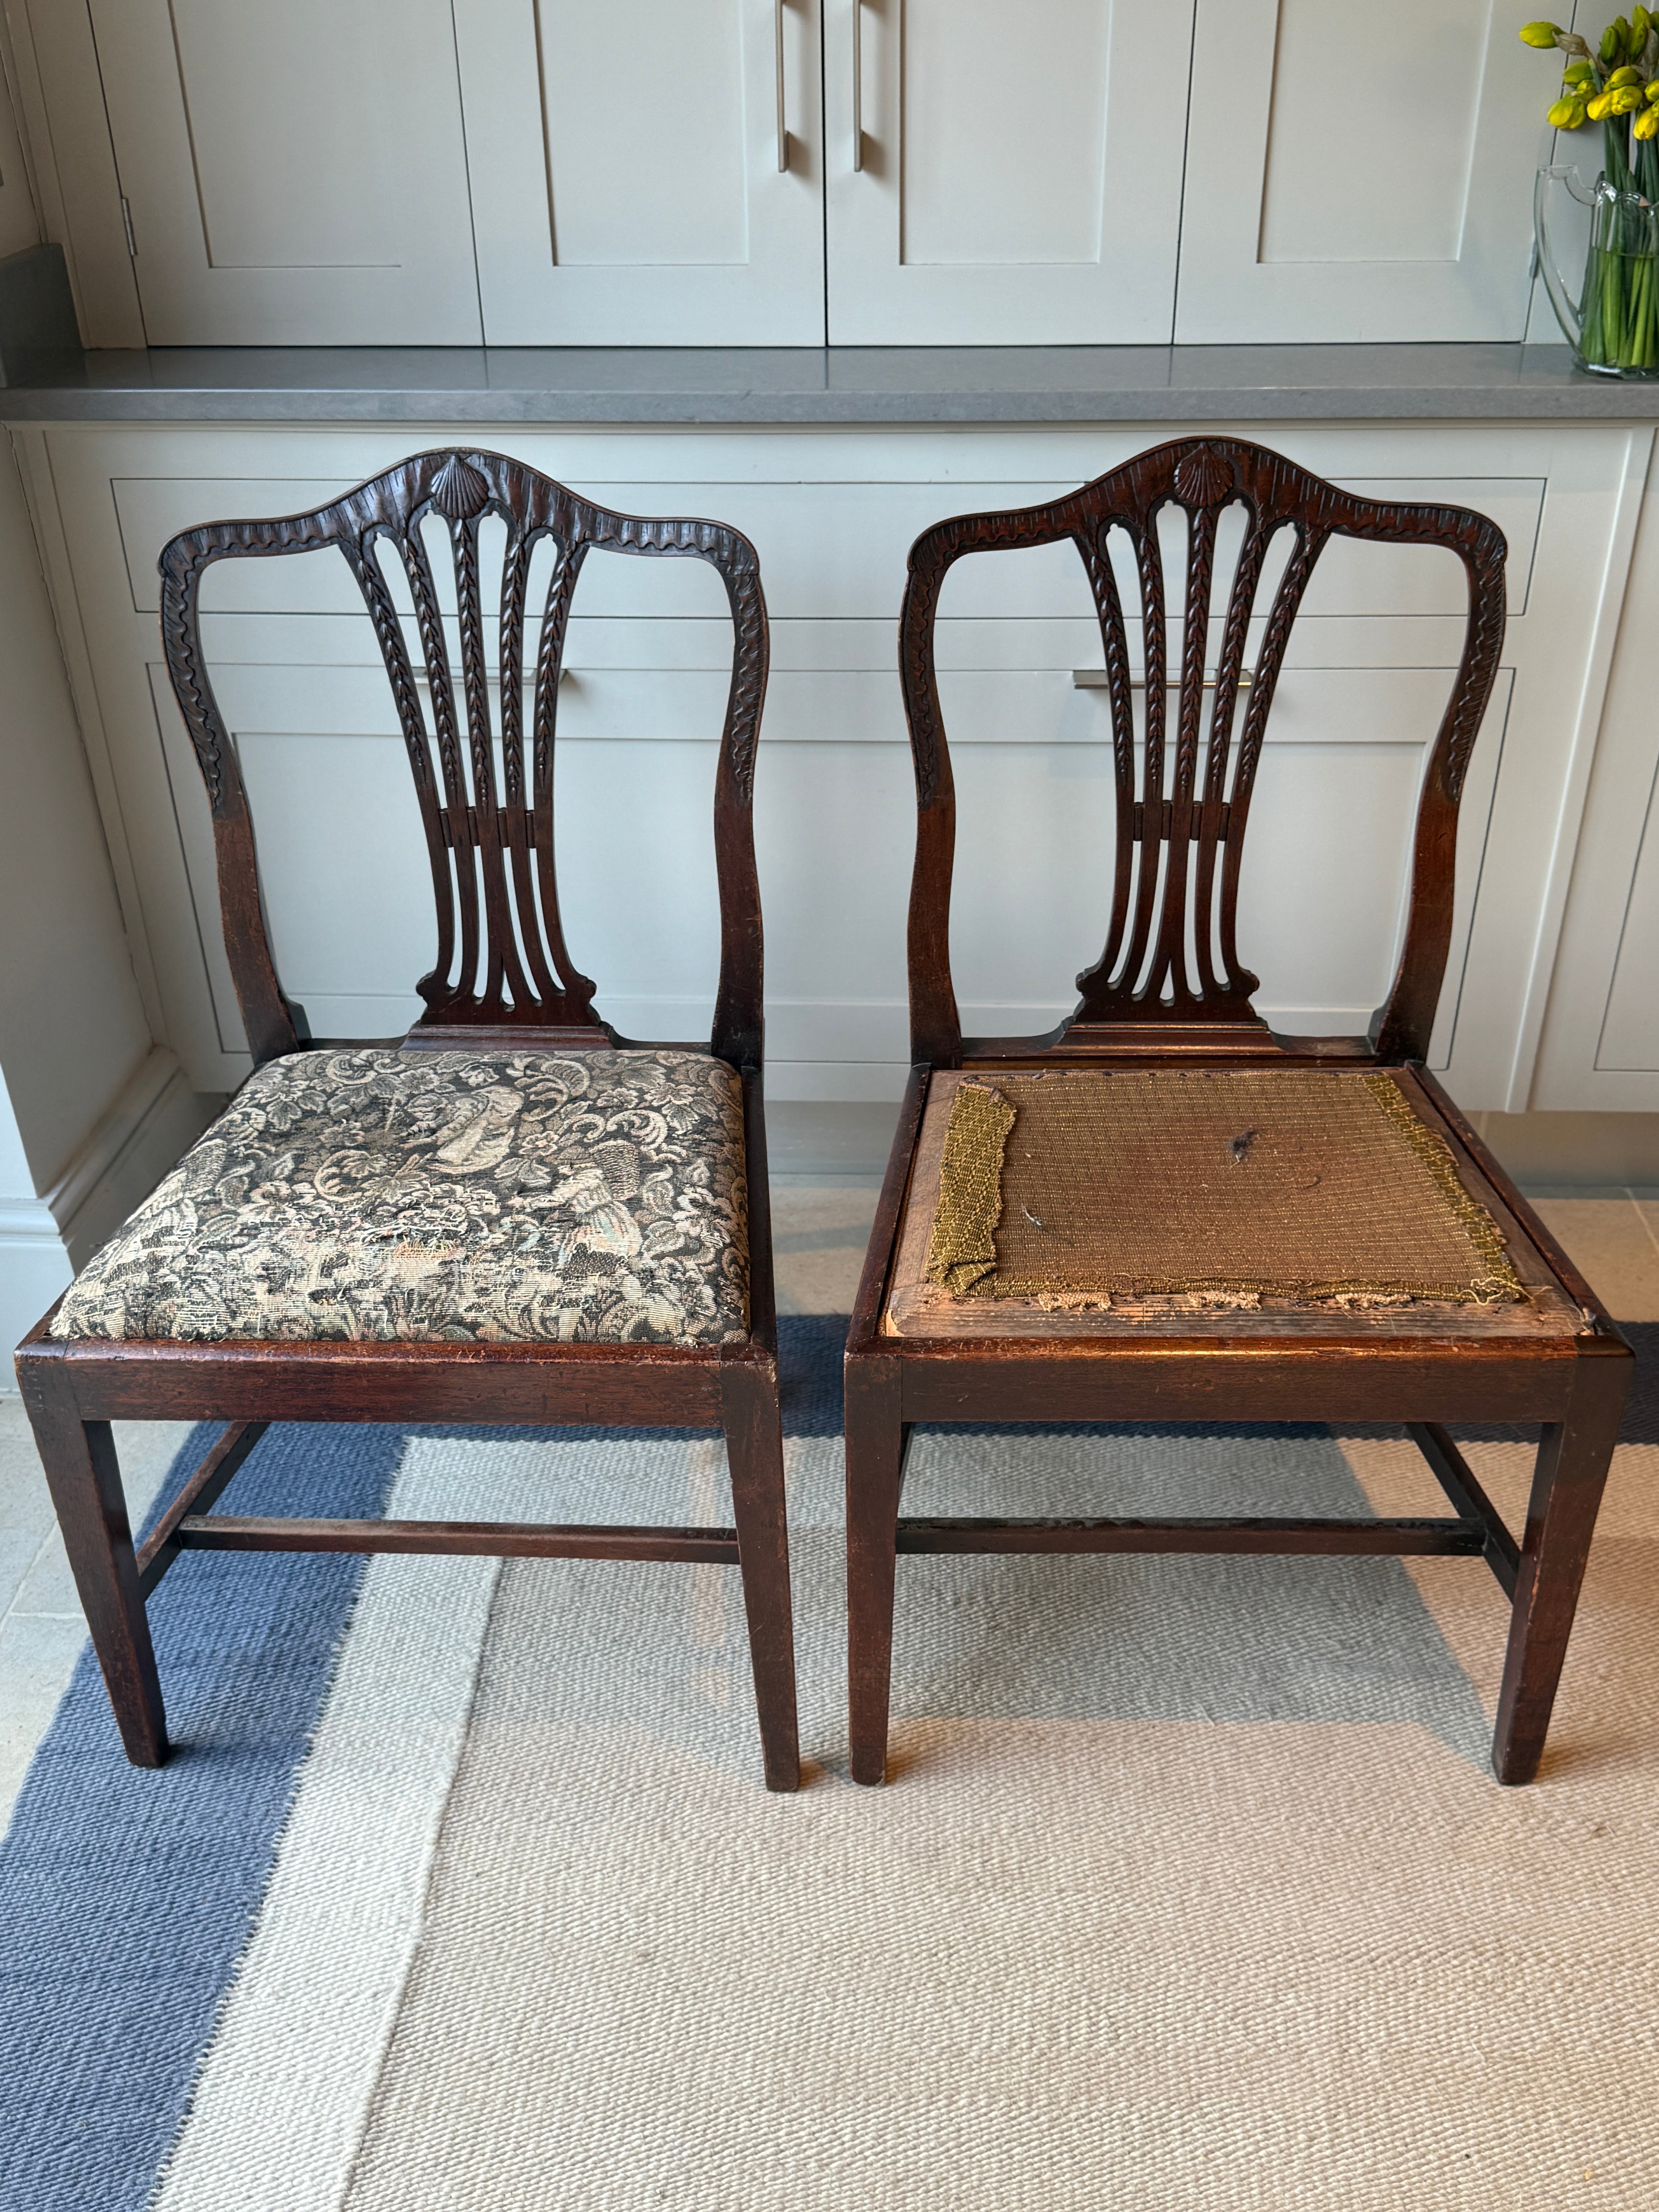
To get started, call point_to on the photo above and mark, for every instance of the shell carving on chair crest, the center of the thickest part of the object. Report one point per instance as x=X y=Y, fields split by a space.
x=457 y=489
x=1203 y=478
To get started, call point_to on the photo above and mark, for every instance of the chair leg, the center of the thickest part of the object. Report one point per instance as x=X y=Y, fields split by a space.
x=754 y=1446
x=1573 y=1458
x=85 y=1483
x=875 y=1467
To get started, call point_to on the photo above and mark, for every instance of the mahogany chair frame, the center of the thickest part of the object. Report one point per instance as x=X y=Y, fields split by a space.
x=493 y=987
x=1151 y=1000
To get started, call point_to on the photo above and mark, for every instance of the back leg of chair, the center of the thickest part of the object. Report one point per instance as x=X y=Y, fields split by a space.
x=1573 y=1458
x=754 y=1449
x=85 y=1483
x=875 y=1473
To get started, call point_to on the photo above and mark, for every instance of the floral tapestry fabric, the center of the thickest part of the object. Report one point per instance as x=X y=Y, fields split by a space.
x=500 y=1197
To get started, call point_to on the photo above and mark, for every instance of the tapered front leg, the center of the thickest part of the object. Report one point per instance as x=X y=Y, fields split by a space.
x=875 y=1466
x=1573 y=1458
x=85 y=1482
x=754 y=1446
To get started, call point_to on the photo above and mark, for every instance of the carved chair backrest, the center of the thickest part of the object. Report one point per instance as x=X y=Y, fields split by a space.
x=490 y=840
x=1171 y=957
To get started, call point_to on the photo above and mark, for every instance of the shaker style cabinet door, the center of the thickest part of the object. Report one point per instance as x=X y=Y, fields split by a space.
x=645 y=172
x=1003 y=172
x=294 y=170
x=1356 y=172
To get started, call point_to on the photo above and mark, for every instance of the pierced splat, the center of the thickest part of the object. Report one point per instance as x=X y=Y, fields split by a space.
x=1170 y=970
x=485 y=784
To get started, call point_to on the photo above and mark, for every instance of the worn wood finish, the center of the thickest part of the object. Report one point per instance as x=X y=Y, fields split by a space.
x=494 y=1539
x=85 y=1484
x=875 y=1475
x=597 y=1385
x=1171 y=989
x=504 y=978
x=164 y=1543
x=1571 y=1471
x=1463 y=1486
x=502 y=959
x=1285 y=1535
x=1195 y=815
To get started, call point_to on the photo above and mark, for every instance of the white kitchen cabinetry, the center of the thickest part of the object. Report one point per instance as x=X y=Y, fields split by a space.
x=1359 y=173
x=1600 y=1046
x=295 y=173
x=833 y=515
x=645 y=172
x=787 y=173
x=998 y=174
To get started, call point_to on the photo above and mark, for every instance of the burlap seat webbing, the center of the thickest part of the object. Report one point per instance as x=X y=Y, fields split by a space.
x=1097 y=1184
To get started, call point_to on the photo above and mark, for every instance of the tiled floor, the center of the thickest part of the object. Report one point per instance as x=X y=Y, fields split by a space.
x=819 y=1229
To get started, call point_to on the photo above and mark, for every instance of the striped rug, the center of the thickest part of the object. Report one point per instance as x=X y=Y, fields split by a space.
x=1193 y=1891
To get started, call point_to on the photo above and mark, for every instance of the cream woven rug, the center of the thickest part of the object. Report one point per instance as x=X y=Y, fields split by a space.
x=1194 y=1890
x=1193 y=1894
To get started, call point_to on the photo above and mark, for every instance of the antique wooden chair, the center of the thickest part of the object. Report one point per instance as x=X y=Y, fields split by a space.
x=518 y=1216
x=1162 y=1211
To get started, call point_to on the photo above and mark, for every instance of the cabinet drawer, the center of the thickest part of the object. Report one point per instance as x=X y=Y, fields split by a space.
x=827 y=550
x=346 y=886
x=604 y=697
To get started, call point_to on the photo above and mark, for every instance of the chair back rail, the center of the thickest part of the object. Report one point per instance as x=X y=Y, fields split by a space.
x=1171 y=958
x=489 y=838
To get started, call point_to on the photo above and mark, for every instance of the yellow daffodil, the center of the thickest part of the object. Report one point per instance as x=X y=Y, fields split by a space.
x=1625 y=101
x=1621 y=78
x=1600 y=106
x=1569 y=114
x=1613 y=42
x=1576 y=76
x=1540 y=34
x=1646 y=125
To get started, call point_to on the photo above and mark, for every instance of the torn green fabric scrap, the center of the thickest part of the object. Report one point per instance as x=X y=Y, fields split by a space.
x=963 y=1250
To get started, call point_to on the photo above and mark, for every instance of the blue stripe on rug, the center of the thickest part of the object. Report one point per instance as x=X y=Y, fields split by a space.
x=126 y=1898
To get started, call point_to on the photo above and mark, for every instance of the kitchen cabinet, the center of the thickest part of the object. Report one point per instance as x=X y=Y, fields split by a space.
x=292 y=173
x=833 y=514
x=1356 y=173
x=996 y=173
x=646 y=172
x=787 y=173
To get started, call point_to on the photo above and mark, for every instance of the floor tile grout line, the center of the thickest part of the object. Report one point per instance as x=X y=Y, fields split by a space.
x=1647 y=1225
x=12 y=1608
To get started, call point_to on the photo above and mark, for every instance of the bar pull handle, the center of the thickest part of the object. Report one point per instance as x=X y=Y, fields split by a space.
x=777 y=48
x=1095 y=679
x=858 y=84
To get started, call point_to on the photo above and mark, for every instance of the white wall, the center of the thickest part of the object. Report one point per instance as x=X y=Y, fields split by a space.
x=35 y=1267
x=92 y=1111
x=72 y=1025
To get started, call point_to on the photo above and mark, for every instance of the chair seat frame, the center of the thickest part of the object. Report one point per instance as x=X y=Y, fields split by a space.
x=1142 y=1008
x=515 y=990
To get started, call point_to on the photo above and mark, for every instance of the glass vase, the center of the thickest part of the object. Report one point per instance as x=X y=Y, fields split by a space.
x=1613 y=326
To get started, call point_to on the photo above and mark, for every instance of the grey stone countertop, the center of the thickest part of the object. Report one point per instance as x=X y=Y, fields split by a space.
x=869 y=384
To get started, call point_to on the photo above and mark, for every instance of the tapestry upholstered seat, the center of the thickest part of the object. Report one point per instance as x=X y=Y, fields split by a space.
x=496 y=1197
